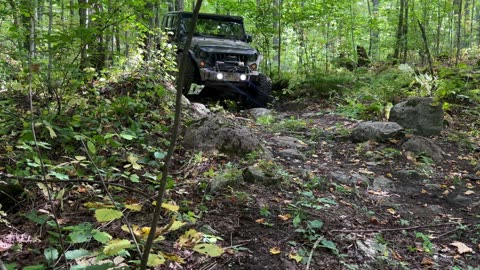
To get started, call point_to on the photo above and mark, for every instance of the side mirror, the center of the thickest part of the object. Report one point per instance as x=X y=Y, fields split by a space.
x=249 y=38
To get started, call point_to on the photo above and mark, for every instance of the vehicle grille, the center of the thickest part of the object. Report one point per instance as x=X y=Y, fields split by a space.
x=230 y=58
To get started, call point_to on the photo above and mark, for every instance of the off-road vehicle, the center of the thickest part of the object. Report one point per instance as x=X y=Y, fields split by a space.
x=220 y=57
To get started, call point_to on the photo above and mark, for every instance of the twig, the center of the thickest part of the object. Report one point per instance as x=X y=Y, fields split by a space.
x=76 y=181
x=393 y=229
x=104 y=184
x=311 y=252
x=449 y=232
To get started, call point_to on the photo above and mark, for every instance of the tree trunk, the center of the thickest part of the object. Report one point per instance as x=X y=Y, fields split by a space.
x=83 y=21
x=459 y=30
x=405 y=34
x=398 y=45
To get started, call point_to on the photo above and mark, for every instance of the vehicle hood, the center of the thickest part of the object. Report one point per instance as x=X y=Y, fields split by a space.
x=215 y=45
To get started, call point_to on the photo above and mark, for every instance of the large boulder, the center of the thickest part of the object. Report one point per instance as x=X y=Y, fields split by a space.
x=377 y=131
x=421 y=115
x=215 y=133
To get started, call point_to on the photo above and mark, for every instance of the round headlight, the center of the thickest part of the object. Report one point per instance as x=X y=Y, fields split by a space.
x=252 y=57
x=243 y=77
x=220 y=76
x=203 y=54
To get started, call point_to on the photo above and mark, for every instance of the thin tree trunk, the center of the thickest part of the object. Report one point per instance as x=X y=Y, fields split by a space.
x=459 y=31
x=173 y=141
x=83 y=21
x=398 y=46
x=427 y=50
x=405 y=33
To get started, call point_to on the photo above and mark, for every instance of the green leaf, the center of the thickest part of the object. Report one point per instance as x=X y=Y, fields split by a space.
x=51 y=254
x=35 y=267
x=77 y=253
x=106 y=215
x=52 y=132
x=155 y=260
x=211 y=250
x=316 y=224
x=101 y=237
x=39 y=219
x=91 y=147
x=159 y=155
x=127 y=136
x=134 y=178
x=77 y=237
x=330 y=245
x=116 y=246
x=59 y=176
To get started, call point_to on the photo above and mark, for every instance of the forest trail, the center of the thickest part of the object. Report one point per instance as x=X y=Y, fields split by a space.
x=382 y=207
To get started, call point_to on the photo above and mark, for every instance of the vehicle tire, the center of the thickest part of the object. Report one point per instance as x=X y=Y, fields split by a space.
x=261 y=92
x=188 y=74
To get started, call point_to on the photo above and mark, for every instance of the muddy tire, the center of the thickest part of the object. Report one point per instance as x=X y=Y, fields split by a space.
x=260 y=93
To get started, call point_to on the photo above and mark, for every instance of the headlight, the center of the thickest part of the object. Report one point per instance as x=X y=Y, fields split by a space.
x=252 y=58
x=203 y=54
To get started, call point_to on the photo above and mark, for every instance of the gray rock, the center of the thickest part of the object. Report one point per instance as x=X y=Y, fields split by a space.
x=359 y=178
x=219 y=134
x=461 y=200
x=383 y=183
x=255 y=175
x=199 y=110
x=288 y=142
x=421 y=115
x=421 y=145
x=291 y=154
x=222 y=182
x=258 y=112
x=377 y=131
x=342 y=177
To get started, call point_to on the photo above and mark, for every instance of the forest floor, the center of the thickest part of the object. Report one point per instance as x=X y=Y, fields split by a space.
x=328 y=213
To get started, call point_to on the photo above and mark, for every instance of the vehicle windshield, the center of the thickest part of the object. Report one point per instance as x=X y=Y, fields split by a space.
x=217 y=28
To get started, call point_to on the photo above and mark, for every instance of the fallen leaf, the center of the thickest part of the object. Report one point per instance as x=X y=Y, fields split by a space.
x=171 y=207
x=285 y=217
x=396 y=256
x=275 y=250
x=391 y=211
x=461 y=247
x=260 y=220
x=469 y=192
x=469 y=186
x=427 y=261
x=295 y=257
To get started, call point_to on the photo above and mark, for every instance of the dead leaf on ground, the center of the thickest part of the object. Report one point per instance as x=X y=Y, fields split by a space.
x=275 y=250
x=461 y=247
x=427 y=261
x=469 y=192
x=285 y=217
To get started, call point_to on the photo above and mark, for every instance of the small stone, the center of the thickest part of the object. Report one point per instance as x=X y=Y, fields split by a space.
x=342 y=177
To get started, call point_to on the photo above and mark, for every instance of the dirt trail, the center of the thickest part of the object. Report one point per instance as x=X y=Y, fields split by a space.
x=383 y=208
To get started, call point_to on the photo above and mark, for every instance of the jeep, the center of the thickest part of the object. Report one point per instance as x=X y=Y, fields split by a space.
x=220 y=56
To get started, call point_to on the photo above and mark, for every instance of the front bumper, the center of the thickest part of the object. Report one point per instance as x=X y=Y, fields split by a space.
x=209 y=76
